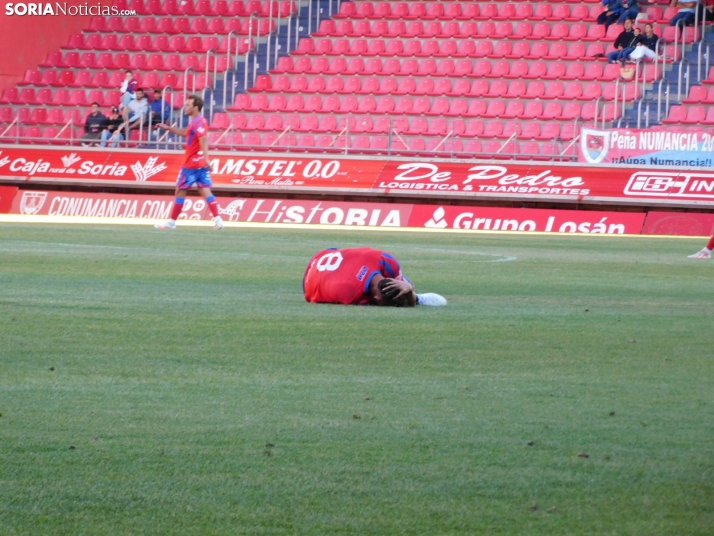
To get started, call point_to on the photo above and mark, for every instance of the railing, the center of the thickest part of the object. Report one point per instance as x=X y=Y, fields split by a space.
x=659 y=98
x=646 y=101
x=211 y=53
x=208 y=104
x=703 y=57
x=185 y=82
x=685 y=76
x=253 y=21
x=596 y=114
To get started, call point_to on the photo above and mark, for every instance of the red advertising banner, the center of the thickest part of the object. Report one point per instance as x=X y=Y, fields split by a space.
x=526 y=219
x=129 y=206
x=549 y=182
x=7 y=194
x=679 y=224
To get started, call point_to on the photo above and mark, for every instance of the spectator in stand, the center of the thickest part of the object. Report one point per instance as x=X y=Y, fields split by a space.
x=685 y=15
x=706 y=10
x=623 y=41
x=160 y=110
x=93 y=126
x=618 y=10
x=630 y=47
x=647 y=47
x=128 y=90
x=112 y=129
x=137 y=110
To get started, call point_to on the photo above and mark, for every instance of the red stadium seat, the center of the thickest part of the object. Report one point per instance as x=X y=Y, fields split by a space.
x=574 y=71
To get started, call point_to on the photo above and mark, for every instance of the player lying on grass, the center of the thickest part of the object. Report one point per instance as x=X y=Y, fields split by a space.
x=705 y=253
x=361 y=276
x=195 y=169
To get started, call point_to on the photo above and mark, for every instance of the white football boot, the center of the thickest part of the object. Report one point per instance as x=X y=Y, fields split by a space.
x=703 y=254
x=171 y=224
x=218 y=223
x=431 y=299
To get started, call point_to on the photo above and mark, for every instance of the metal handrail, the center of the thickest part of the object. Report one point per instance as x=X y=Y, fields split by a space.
x=230 y=66
x=212 y=101
x=504 y=144
x=647 y=113
x=659 y=97
x=597 y=107
x=679 y=27
x=297 y=24
x=318 y=10
x=215 y=65
x=185 y=81
x=270 y=25
x=572 y=142
x=679 y=78
x=706 y=56
x=575 y=125
x=255 y=54
x=166 y=90
x=309 y=17
x=277 y=41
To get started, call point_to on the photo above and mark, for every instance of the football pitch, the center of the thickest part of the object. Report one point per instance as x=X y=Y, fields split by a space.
x=178 y=383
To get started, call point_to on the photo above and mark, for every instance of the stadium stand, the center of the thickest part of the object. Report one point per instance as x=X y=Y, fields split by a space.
x=412 y=77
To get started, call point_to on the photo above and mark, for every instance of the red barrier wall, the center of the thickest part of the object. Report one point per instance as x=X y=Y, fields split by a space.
x=26 y=40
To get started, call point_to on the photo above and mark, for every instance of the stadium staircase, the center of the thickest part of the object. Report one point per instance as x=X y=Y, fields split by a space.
x=432 y=78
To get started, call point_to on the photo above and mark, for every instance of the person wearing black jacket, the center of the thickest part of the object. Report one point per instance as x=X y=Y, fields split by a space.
x=625 y=40
x=647 y=47
x=111 y=129
x=93 y=126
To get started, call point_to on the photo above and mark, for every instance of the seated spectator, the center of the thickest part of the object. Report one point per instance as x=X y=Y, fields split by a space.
x=626 y=39
x=128 y=90
x=706 y=10
x=160 y=110
x=631 y=46
x=136 y=110
x=686 y=13
x=618 y=10
x=647 y=46
x=93 y=126
x=112 y=130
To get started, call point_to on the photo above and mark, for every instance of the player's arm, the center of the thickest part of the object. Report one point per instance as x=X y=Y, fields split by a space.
x=203 y=140
x=401 y=287
x=172 y=129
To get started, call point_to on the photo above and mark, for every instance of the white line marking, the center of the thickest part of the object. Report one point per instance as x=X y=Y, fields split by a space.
x=22 y=218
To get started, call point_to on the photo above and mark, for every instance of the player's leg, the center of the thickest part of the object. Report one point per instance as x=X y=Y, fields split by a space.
x=213 y=207
x=182 y=185
x=705 y=253
x=204 y=183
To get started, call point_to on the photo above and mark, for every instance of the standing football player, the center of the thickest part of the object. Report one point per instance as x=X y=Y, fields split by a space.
x=705 y=253
x=361 y=276
x=195 y=170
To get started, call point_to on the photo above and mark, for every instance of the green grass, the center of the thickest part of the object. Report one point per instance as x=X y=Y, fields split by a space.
x=204 y=396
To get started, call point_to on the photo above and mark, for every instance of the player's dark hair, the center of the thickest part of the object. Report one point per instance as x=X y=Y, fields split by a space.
x=197 y=101
x=95 y=102
x=129 y=72
x=389 y=297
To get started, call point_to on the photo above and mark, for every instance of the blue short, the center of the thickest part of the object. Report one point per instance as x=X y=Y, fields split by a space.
x=201 y=177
